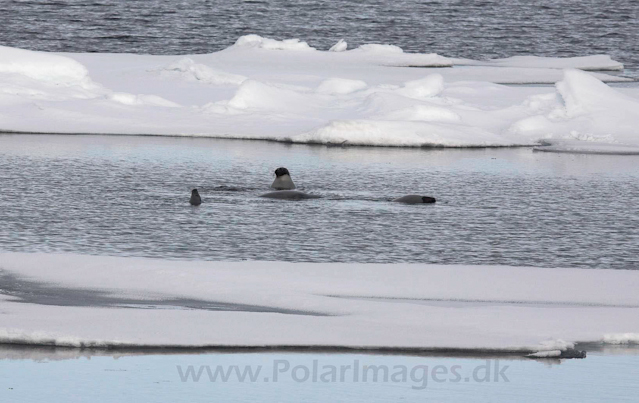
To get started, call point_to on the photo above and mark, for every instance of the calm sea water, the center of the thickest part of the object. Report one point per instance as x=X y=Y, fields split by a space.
x=456 y=28
x=30 y=376
x=129 y=196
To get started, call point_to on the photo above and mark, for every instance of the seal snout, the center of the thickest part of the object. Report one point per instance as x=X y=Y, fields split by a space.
x=195 y=200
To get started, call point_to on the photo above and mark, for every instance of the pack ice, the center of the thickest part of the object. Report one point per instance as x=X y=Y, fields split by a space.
x=96 y=301
x=261 y=88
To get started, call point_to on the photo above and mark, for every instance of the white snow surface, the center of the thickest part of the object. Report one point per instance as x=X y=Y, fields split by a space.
x=545 y=354
x=365 y=305
x=594 y=62
x=262 y=88
x=340 y=46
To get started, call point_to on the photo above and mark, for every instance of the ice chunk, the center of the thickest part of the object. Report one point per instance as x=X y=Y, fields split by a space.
x=188 y=69
x=594 y=62
x=379 y=49
x=259 y=95
x=424 y=113
x=340 y=46
x=391 y=55
x=275 y=99
x=141 y=99
x=426 y=87
x=583 y=94
x=621 y=338
x=545 y=354
x=256 y=41
x=42 y=66
x=400 y=133
x=591 y=117
x=340 y=86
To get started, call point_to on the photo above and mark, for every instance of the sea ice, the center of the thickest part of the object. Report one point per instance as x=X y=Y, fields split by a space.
x=340 y=46
x=595 y=62
x=187 y=68
x=590 y=117
x=309 y=304
x=261 y=88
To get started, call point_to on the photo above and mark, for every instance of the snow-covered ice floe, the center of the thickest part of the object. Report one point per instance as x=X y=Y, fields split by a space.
x=593 y=63
x=262 y=88
x=92 y=301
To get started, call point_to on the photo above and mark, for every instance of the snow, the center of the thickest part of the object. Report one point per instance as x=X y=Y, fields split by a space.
x=400 y=134
x=545 y=354
x=41 y=66
x=340 y=86
x=340 y=46
x=256 y=41
x=621 y=338
x=590 y=117
x=352 y=305
x=189 y=70
x=426 y=87
x=130 y=99
x=261 y=88
x=594 y=62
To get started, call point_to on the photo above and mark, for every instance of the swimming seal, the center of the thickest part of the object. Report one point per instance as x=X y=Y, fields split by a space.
x=196 y=200
x=282 y=180
x=289 y=195
x=415 y=199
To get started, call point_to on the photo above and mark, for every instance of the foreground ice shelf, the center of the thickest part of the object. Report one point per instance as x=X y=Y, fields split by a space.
x=91 y=301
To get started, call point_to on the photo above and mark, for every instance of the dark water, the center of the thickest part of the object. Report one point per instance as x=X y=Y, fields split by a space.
x=129 y=196
x=455 y=28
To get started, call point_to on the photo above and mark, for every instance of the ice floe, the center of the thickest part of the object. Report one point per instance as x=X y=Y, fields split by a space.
x=188 y=69
x=262 y=88
x=256 y=41
x=595 y=62
x=590 y=117
x=340 y=46
x=41 y=66
x=89 y=301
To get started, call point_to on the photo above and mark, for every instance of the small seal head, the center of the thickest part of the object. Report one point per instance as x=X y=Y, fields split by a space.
x=415 y=199
x=196 y=200
x=282 y=180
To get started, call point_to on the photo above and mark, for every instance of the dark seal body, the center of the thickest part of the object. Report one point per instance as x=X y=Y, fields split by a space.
x=415 y=199
x=196 y=200
x=289 y=195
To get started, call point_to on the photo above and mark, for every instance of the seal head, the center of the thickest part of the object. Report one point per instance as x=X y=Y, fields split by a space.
x=196 y=200
x=282 y=180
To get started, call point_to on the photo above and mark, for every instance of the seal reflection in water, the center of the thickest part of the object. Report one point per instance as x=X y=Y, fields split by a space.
x=196 y=200
x=415 y=199
x=289 y=195
x=282 y=180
